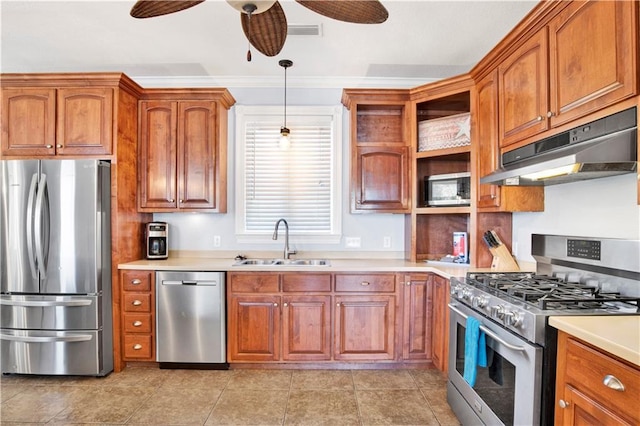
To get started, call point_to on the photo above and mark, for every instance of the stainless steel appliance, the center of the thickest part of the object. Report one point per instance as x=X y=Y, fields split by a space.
x=157 y=235
x=451 y=189
x=190 y=318
x=55 y=267
x=574 y=276
x=605 y=147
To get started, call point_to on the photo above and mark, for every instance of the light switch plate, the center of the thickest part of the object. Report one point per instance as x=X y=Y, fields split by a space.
x=352 y=242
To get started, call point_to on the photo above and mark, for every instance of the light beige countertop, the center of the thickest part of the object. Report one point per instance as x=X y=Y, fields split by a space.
x=617 y=334
x=186 y=263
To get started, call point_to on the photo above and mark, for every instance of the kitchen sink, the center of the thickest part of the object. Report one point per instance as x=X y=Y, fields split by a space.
x=283 y=262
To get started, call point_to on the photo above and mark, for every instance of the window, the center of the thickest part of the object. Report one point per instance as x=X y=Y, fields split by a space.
x=300 y=184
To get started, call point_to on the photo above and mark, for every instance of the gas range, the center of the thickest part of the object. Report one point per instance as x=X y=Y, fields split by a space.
x=574 y=276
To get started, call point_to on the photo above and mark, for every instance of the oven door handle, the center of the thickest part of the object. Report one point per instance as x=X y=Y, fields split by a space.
x=490 y=333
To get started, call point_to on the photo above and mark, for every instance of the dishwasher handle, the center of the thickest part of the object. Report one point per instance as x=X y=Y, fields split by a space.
x=188 y=282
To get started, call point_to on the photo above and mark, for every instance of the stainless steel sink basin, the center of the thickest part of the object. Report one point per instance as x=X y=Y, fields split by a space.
x=283 y=262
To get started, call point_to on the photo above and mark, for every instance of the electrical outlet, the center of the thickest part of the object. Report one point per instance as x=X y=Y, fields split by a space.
x=352 y=242
x=216 y=240
x=386 y=242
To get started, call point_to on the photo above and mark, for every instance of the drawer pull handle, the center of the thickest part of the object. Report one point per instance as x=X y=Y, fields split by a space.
x=136 y=281
x=275 y=304
x=136 y=303
x=365 y=283
x=137 y=323
x=613 y=382
x=137 y=346
x=48 y=146
x=563 y=404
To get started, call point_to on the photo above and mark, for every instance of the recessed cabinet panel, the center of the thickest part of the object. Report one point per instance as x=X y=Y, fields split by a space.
x=158 y=123
x=28 y=121
x=306 y=328
x=382 y=183
x=85 y=121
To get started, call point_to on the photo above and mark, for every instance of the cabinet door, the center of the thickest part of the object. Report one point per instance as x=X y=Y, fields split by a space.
x=306 y=328
x=197 y=154
x=487 y=126
x=591 y=57
x=417 y=304
x=381 y=179
x=440 y=322
x=364 y=328
x=28 y=122
x=582 y=410
x=157 y=148
x=524 y=93
x=254 y=328
x=84 y=121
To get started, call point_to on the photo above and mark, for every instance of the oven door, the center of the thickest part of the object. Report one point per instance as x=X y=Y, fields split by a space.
x=508 y=391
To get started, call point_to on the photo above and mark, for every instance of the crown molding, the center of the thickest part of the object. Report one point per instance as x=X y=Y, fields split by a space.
x=273 y=81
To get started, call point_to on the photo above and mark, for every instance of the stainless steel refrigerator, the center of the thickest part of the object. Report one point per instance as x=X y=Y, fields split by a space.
x=55 y=267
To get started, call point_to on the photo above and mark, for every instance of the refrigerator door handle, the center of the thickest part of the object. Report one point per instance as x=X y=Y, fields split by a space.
x=30 y=224
x=39 y=213
x=44 y=303
x=53 y=339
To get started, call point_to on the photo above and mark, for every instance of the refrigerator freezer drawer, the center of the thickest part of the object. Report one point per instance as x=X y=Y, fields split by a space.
x=50 y=312
x=55 y=352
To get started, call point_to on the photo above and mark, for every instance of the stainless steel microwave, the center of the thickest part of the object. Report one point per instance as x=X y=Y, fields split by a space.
x=452 y=189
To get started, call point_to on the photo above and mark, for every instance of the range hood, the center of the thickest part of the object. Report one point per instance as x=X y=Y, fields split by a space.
x=602 y=148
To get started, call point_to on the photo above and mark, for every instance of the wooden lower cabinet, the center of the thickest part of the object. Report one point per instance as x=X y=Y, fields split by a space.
x=306 y=328
x=365 y=328
x=593 y=387
x=417 y=323
x=440 y=322
x=254 y=328
x=138 y=315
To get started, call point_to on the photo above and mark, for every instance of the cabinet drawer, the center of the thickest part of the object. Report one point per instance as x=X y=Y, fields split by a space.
x=306 y=282
x=137 y=346
x=254 y=283
x=366 y=283
x=587 y=369
x=136 y=280
x=137 y=323
x=137 y=302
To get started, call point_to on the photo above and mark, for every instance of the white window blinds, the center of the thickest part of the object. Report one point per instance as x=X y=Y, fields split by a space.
x=299 y=184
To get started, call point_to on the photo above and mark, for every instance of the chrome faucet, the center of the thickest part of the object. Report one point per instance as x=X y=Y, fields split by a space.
x=287 y=252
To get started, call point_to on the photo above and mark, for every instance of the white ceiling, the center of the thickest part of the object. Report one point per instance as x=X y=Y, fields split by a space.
x=421 y=41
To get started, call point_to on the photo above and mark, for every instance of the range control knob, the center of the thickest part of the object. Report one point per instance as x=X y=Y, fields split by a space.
x=497 y=311
x=513 y=319
x=466 y=294
x=454 y=289
x=479 y=301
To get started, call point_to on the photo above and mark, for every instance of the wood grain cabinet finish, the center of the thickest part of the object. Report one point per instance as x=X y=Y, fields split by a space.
x=494 y=197
x=584 y=60
x=440 y=322
x=182 y=145
x=417 y=324
x=593 y=387
x=45 y=121
x=138 y=315
x=380 y=150
x=298 y=317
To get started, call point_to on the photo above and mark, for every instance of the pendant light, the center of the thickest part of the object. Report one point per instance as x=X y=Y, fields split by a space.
x=284 y=131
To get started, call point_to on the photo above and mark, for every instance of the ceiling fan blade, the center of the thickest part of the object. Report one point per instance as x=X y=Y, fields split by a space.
x=151 y=8
x=267 y=31
x=356 y=11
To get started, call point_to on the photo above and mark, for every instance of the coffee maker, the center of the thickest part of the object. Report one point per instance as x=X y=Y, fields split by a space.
x=156 y=235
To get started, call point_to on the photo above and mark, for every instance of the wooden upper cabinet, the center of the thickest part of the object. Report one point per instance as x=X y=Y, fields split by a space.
x=487 y=138
x=494 y=197
x=380 y=150
x=84 y=121
x=523 y=95
x=592 y=65
x=182 y=145
x=66 y=121
x=582 y=60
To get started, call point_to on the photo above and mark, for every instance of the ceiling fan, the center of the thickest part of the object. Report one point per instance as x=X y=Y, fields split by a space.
x=264 y=22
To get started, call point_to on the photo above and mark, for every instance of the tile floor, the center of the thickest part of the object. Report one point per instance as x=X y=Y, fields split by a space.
x=148 y=395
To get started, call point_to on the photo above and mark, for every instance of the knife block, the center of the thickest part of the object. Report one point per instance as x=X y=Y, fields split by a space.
x=502 y=259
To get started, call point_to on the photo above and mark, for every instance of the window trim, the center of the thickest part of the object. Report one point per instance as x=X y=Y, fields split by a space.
x=243 y=113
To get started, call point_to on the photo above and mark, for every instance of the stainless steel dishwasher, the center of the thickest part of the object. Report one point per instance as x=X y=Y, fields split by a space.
x=190 y=319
